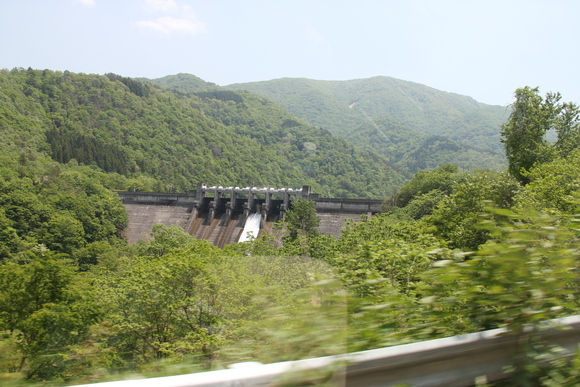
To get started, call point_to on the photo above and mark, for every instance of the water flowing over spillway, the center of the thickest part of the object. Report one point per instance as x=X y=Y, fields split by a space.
x=251 y=227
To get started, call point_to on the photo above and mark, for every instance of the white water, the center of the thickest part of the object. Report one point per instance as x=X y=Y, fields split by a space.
x=251 y=228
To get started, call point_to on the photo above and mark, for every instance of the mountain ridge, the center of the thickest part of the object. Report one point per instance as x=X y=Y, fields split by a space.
x=466 y=131
x=344 y=107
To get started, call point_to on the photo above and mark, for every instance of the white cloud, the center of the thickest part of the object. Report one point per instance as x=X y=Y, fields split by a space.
x=168 y=24
x=88 y=3
x=178 y=18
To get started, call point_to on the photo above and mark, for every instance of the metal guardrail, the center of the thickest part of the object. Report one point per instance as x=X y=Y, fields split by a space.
x=451 y=362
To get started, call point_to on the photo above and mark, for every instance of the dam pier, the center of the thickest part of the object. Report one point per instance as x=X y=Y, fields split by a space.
x=225 y=215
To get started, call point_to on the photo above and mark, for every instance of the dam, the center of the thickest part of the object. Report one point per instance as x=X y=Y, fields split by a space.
x=225 y=215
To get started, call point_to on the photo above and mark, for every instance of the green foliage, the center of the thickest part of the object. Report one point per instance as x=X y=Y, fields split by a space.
x=301 y=219
x=136 y=87
x=191 y=304
x=266 y=244
x=553 y=186
x=68 y=145
x=330 y=165
x=9 y=239
x=563 y=372
x=45 y=308
x=63 y=233
x=525 y=133
x=419 y=206
x=316 y=245
x=65 y=208
x=185 y=83
x=311 y=323
x=301 y=237
x=167 y=238
x=525 y=274
x=222 y=95
x=97 y=252
x=378 y=228
x=441 y=179
x=411 y=150
x=434 y=151
x=455 y=218
x=381 y=260
x=156 y=311
x=393 y=264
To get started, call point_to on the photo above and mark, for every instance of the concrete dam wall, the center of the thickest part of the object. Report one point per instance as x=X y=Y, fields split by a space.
x=224 y=215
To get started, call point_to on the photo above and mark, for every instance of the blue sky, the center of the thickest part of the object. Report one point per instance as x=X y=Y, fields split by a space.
x=481 y=48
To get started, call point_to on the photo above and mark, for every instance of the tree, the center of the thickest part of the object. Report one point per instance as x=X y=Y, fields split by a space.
x=64 y=234
x=456 y=217
x=553 y=186
x=45 y=309
x=301 y=219
x=302 y=238
x=441 y=179
x=156 y=310
x=166 y=238
x=525 y=133
x=420 y=196
x=9 y=239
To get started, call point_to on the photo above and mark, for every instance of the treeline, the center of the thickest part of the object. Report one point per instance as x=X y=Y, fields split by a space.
x=222 y=95
x=66 y=146
x=136 y=87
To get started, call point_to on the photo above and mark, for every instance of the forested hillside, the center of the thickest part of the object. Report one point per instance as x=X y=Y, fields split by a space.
x=349 y=108
x=132 y=128
x=411 y=150
x=186 y=83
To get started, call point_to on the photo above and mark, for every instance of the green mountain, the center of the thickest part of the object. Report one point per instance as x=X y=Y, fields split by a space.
x=185 y=83
x=366 y=110
x=131 y=128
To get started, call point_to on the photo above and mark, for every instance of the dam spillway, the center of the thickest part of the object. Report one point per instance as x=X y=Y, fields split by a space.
x=219 y=214
x=251 y=228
